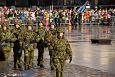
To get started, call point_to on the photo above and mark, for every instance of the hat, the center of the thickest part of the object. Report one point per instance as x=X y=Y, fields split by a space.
x=60 y=30
x=30 y=23
x=19 y=22
x=52 y=23
x=6 y=24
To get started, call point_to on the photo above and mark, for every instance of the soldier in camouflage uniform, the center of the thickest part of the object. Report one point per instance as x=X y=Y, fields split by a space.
x=40 y=44
x=6 y=39
x=62 y=52
x=29 y=45
x=17 y=47
x=50 y=34
x=3 y=61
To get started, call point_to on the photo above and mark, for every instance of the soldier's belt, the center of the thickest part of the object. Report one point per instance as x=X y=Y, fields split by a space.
x=5 y=45
x=33 y=41
x=7 y=41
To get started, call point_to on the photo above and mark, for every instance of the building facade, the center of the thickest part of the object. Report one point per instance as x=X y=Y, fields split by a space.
x=54 y=2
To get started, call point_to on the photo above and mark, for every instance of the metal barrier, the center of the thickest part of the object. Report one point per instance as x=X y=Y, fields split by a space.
x=113 y=20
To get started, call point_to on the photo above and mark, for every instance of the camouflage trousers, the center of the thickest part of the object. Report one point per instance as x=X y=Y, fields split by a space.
x=6 y=51
x=28 y=59
x=51 y=59
x=4 y=54
x=59 y=65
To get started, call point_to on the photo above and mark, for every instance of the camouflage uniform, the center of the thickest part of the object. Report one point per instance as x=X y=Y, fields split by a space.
x=40 y=45
x=49 y=36
x=6 y=39
x=29 y=46
x=5 y=48
x=17 y=47
x=62 y=52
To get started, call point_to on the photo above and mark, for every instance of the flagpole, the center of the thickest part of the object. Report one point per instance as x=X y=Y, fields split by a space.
x=52 y=4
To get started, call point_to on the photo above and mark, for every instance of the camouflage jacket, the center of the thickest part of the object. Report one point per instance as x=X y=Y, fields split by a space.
x=18 y=32
x=7 y=38
x=30 y=40
x=62 y=49
x=41 y=32
x=49 y=36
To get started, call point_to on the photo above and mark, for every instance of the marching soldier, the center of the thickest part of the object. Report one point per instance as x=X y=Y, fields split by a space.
x=40 y=44
x=6 y=42
x=29 y=45
x=62 y=52
x=17 y=47
x=50 y=34
x=6 y=39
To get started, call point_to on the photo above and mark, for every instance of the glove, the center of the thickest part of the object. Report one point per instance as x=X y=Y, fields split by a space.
x=70 y=59
x=7 y=40
x=32 y=41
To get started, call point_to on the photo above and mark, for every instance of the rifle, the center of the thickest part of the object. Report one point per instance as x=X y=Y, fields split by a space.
x=31 y=40
x=4 y=41
x=26 y=44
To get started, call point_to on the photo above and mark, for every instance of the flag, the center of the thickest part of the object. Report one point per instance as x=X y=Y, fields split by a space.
x=82 y=8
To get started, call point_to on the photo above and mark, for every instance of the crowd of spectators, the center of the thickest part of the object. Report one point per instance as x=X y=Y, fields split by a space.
x=59 y=16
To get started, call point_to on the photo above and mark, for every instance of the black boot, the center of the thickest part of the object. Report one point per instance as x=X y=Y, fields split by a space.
x=15 y=67
x=20 y=67
x=41 y=65
x=52 y=68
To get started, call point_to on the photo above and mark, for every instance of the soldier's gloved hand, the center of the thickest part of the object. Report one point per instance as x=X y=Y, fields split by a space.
x=7 y=40
x=48 y=44
x=70 y=59
x=32 y=41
